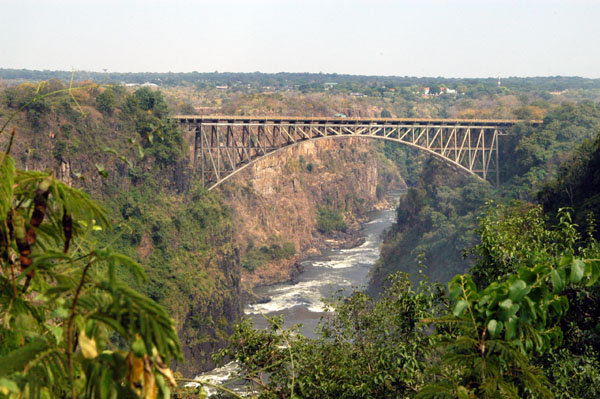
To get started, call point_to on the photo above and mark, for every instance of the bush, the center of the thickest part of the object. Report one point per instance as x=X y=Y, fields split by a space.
x=330 y=219
x=106 y=101
x=257 y=257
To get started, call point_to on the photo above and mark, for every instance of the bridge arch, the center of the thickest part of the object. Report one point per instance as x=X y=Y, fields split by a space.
x=211 y=185
x=226 y=145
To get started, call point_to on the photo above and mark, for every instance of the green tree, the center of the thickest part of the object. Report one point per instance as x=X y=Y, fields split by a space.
x=367 y=348
x=69 y=326
x=106 y=101
x=330 y=219
x=503 y=325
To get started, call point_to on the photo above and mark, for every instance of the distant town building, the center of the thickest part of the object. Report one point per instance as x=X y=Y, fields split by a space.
x=426 y=91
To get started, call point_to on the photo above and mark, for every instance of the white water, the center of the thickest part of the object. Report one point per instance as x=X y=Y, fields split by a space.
x=221 y=375
x=336 y=270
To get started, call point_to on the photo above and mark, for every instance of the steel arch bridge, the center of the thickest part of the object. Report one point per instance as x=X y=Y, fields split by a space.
x=224 y=145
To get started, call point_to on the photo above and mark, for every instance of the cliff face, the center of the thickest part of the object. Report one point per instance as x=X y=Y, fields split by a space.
x=207 y=322
x=276 y=201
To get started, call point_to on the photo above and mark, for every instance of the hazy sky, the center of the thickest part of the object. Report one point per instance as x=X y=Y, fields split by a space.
x=416 y=38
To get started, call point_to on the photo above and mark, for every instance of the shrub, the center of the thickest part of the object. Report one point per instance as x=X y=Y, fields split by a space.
x=330 y=219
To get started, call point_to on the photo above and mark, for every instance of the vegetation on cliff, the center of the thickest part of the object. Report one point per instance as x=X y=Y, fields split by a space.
x=437 y=217
x=330 y=219
x=71 y=327
x=576 y=184
x=119 y=145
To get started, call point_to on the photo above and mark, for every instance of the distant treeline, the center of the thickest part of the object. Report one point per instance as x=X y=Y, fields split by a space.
x=284 y=79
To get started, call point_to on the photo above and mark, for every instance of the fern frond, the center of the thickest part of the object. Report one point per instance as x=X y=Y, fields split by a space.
x=438 y=390
x=137 y=314
x=39 y=365
x=7 y=181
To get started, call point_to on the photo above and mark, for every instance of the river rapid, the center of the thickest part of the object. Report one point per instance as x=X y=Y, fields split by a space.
x=301 y=301
x=336 y=270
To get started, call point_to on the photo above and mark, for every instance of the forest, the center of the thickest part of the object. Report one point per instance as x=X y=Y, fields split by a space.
x=116 y=264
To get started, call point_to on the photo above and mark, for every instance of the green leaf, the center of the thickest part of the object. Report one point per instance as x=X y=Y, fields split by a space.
x=138 y=348
x=577 y=271
x=594 y=272
x=18 y=359
x=558 y=284
x=518 y=290
x=101 y=170
x=60 y=312
x=511 y=329
x=506 y=304
x=455 y=291
x=531 y=307
x=462 y=393
x=57 y=332
x=79 y=175
x=49 y=256
x=105 y=384
x=565 y=260
x=495 y=328
x=513 y=310
x=133 y=266
x=126 y=160
x=140 y=151
x=459 y=308
x=7 y=181
x=111 y=151
x=7 y=386
x=163 y=389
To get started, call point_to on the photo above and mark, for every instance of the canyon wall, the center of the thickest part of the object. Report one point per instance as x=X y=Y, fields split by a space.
x=276 y=200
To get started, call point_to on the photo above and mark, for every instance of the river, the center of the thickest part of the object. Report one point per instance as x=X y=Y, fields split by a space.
x=301 y=302
x=335 y=270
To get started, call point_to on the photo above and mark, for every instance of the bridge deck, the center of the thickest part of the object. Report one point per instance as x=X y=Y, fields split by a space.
x=352 y=121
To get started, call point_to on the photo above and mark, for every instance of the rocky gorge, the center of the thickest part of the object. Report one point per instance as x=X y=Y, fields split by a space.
x=200 y=250
x=277 y=200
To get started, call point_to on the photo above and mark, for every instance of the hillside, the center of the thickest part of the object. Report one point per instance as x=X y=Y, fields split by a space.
x=117 y=145
x=436 y=220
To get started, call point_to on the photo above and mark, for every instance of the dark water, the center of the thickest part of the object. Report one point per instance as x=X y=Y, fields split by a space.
x=341 y=269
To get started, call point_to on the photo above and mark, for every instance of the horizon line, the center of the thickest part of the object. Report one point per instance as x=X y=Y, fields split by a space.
x=216 y=72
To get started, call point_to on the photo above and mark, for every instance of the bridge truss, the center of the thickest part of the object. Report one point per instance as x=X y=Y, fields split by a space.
x=225 y=145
